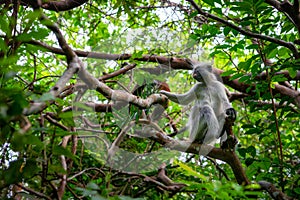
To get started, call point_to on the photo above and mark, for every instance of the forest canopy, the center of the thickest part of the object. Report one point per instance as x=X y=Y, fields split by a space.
x=82 y=115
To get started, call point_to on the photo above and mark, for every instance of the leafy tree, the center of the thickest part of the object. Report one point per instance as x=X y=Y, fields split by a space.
x=78 y=76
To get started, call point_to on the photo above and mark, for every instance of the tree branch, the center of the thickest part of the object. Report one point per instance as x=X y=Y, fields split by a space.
x=273 y=191
x=174 y=63
x=123 y=70
x=290 y=10
x=227 y=156
x=31 y=191
x=242 y=87
x=288 y=45
x=55 y=91
x=62 y=5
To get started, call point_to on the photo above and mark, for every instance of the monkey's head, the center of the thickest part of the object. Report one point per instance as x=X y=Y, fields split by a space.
x=202 y=72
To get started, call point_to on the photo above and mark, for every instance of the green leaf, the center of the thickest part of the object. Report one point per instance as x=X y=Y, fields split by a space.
x=272 y=53
x=236 y=76
x=226 y=30
x=252 y=46
x=13 y=173
x=252 y=151
x=38 y=35
x=242 y=151
x=223 y=46
x=297 y=190
x=190 y=171
x=283 y=51
x=137 y=54
x=47 y=97
x=279 y=78
x=245 y=65
x=253 y=131
x=228 y=73
x=193 y=14
x=4 y=25
x=209 y=2
x=19 y=102
x=245 y=79
x=32 y=15
x=3 y=45
x=59 y=150
x=292 y=72
x=249 y=161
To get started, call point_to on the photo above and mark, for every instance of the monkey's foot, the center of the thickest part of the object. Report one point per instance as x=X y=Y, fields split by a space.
x=229 y=143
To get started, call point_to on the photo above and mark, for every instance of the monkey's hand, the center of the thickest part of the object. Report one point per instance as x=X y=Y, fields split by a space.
x=166 y=93
x=230 y=115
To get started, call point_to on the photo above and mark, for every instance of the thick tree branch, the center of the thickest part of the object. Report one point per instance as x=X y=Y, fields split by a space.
x=175 y=63
x=242 y=87
x=288 y=45
x=227 y=156
x=55 y=91
x=273 y=191
x=62 y=5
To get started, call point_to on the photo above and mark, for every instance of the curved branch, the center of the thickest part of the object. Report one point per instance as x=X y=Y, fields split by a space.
x=162 y=176
x=273 y=191
x=54 y=92
x=62 y=5
x=291 y=10
x=227 y=156
x=123 y=70
x=288 y=45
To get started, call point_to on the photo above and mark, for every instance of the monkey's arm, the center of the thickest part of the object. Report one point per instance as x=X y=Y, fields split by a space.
x=185 y=98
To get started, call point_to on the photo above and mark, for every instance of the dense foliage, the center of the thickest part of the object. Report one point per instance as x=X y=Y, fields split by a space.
x=78 y=75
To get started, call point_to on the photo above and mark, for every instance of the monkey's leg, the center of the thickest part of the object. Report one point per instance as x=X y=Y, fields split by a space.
x=204 y=125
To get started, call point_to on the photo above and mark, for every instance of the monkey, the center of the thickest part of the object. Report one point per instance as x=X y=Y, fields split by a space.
x=211 y=107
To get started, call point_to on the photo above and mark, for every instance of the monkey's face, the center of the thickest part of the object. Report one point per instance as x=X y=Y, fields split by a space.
x=197 y=74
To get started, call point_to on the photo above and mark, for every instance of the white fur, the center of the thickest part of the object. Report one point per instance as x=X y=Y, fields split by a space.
x=208 y=114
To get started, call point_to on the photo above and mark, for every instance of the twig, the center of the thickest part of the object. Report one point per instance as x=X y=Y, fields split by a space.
x=219 y=168
x=118 y=72
x=83 y=171
x=38 y=194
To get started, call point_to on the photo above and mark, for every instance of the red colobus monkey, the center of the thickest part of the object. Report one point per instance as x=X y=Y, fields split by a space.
x=211 y=108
